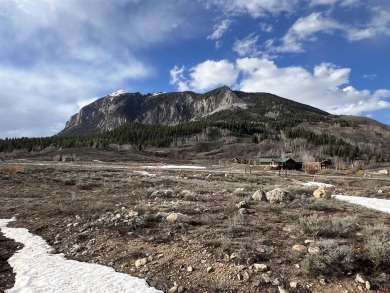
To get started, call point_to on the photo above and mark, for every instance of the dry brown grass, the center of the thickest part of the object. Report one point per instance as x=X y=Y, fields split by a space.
x=311 y=169
x=12 y=168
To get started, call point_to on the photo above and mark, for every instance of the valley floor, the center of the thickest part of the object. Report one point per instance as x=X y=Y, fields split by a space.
x=113 y=214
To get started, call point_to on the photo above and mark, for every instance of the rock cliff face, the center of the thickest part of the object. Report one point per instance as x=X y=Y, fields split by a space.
x=122 y=107
x=173 y=108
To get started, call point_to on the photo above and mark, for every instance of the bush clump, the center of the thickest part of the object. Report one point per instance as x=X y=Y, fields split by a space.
x=377 y=244
x=331 y=259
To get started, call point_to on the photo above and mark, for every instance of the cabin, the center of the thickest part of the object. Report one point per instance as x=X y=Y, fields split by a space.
x=281 y=163
x=325 y=164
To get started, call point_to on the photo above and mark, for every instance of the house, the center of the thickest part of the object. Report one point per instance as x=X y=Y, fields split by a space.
x=281 y=163
x=326 y=164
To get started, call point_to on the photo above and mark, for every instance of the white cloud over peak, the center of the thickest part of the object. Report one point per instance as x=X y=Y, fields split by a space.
x=326 y=87
x=334 y=2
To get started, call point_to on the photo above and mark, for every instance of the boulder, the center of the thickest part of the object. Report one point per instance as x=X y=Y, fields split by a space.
x=178 y=217
x=242 y=204
x=323 y=192
x=259 y=195
x=279 y=195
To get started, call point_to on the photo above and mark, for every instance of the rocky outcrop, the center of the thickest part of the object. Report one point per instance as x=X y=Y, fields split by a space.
x=122 y=107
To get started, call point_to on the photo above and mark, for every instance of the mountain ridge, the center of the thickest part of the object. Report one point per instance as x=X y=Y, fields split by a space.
x=121 y=107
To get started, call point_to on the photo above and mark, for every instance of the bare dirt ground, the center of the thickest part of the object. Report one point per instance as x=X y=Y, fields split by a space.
x=106 y=213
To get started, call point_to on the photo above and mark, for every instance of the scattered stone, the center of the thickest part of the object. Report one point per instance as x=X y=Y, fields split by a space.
x=140 y=262
x=282 y=290
x=210 y=269
x=313 y=249
x=279 y=195
x=132 y=214
x=180 y=289
x=173 y=289
x=299 y=247
x=308 y=241
x=323 y=192
x=259 y=195
x=161 y=215
x=276 y=282
x=293 y=284
x=178 y=217
x=360 y=278
x=380 y=191
x=266 y=278
x=242 y=204
x=190 y=269
x=260 y=267
x=243 y=211
x=240 y=191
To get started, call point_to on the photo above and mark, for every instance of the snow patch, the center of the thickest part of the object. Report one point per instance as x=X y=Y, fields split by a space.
x=174 y=167
x=145 y=173
x=118 y=93
x=38 y=271
x=378 y=204
x=317 y=184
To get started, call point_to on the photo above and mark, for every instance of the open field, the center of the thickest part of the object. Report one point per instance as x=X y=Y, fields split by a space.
x=112 y=213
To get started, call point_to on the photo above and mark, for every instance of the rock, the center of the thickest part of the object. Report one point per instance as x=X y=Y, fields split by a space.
x=282 y=290
x=162 y=215
x=210 y=269
x=132 y=214
x=294 y=284
x=360 y=278
x=259 y=195
x=380 y=191
x=178 y=217
x=313 y=249
x=299 y=247
x=140 y=262
x=276 y=282
x=173 y=289
x=243 y=211
x=368 y=285
x=279 y=195
x=323 y=192
x=180 y=289
x=190 y=269
x=266 y=278
x=240 y=191
x=242 y=204
x=260 y=267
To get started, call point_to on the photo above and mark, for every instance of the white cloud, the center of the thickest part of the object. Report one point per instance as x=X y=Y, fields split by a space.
x=326 y=87
x=205 y=76
x=178 y=79
x=247 y=46
x=379 y=25
x=255 y=8
x=266 y=27
x=56 y=54
x=334 y=2
x=219 y=29
x=304 y=29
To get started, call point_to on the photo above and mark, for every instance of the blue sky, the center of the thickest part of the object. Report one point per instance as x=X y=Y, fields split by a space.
x=59 y=55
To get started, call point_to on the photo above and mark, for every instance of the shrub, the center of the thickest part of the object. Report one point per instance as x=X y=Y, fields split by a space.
x=12 y=168
x=332 y=259
x=311 y=169
x=377 y=244
x=335 y=226
x=325 y=171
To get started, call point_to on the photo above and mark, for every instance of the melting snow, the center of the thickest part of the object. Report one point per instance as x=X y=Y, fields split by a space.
x=145 y=173
x=174 y=167
x=318 y=184
x=378 y=204
x=38 y=271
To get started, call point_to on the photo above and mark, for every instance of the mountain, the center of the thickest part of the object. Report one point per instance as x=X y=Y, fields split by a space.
x=121 y=107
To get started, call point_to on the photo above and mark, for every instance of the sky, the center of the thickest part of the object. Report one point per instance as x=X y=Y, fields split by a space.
x=57 y=56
